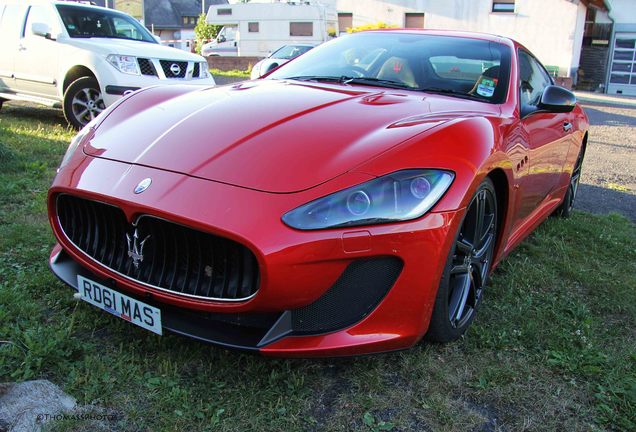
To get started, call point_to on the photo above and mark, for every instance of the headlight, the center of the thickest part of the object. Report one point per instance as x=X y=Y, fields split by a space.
x=204 y=72
x=400 y=196
x=124 y=64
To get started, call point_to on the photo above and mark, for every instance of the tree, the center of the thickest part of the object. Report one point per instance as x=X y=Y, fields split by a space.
x=205 y=32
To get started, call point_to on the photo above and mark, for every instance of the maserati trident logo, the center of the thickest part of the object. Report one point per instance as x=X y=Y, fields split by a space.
x=136 y=248
x=175 y=69
x=143 y=185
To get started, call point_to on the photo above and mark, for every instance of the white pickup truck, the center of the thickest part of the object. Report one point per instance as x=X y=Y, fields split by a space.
x=83 y=58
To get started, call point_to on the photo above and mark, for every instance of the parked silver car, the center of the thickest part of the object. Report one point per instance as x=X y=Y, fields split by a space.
x=281 y=56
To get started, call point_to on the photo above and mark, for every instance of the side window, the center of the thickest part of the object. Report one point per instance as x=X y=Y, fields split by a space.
x=39 y=14
x=532 y=81
x=11 y=22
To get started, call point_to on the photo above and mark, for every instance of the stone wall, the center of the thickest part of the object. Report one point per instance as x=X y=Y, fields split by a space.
x=232 y=63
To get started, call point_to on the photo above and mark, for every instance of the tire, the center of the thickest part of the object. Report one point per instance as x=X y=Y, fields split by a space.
x=567 y=205
x=83 y=101
x=271 y=68
x=467 y=268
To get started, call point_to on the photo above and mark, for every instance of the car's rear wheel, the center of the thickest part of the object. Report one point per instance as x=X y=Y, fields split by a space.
x=83 y=102
x=566 y=207
x=467 y=267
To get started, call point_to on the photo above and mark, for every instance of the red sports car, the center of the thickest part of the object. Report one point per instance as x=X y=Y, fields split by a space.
x=353 y=201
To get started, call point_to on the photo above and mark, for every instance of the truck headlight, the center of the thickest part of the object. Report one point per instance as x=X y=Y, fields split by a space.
x=124 y=64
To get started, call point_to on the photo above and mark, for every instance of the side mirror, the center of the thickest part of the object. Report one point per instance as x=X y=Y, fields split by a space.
x=557 y=99
x=221 y=39
x=41 y=29
x=157 y=38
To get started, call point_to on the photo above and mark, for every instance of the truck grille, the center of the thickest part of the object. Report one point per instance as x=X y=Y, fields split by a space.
x=195 y=71
x=146 y=67
x=174 y=69
x=173 y=257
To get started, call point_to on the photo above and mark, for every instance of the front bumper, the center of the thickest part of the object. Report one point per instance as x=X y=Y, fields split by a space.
x=112 y=82
x=297 y=269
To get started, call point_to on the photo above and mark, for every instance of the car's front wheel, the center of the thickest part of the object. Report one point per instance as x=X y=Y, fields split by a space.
x=83 y=102
x=467 y=267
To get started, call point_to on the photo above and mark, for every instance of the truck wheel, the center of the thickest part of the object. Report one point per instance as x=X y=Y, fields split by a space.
x=83 y=102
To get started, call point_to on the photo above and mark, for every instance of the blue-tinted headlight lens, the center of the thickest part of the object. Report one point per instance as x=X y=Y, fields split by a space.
x=400 y=196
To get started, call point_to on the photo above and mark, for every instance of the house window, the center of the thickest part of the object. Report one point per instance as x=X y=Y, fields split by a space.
x=189 y=20
x=224 y=11
x=414 y=20
x=252 y=27
x=345 y=21
x=301 y=29
x=503 y=6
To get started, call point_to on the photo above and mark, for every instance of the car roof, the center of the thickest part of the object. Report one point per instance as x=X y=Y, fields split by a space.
x=451 y=33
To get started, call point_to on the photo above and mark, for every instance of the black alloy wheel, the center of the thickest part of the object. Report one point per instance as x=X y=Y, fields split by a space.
x=565 y=209
x=467 y=267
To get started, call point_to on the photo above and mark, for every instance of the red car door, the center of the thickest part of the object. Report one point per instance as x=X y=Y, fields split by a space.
x=547 y=138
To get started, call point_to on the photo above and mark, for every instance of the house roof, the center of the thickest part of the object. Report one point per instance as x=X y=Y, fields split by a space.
x=169 y=13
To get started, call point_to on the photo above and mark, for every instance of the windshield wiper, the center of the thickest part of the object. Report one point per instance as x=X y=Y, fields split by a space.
x=316 y=78
x=453 y=93
x=355 y=80
x=377 y=82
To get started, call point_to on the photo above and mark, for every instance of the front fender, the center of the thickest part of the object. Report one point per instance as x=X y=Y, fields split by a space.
x=467 y=146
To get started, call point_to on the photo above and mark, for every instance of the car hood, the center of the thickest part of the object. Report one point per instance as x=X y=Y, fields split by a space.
x=106 y=46
x=274 y=136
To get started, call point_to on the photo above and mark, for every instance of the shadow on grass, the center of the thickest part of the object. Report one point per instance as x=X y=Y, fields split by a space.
x=30 y=112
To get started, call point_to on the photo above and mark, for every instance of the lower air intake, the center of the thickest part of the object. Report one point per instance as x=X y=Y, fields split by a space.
x=360 y=288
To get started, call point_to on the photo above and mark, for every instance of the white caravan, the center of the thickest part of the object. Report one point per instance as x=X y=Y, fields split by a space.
x=257 y=29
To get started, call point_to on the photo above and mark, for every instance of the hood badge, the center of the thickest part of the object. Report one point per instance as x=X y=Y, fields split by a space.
x=175 y=69
x=143 y=185
x=136 y=248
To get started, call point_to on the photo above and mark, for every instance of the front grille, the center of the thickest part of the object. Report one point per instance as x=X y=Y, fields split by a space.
x=175 y=258
x=146 y=67
x=168 y=66
x=195 y=71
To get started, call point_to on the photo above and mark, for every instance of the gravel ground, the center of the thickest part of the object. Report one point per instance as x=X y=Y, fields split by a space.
x=608 y=182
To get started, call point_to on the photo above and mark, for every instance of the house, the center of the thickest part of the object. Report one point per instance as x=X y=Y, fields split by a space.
x=172 y=20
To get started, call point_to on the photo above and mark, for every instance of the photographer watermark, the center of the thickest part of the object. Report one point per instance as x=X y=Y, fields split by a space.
x=45 y=417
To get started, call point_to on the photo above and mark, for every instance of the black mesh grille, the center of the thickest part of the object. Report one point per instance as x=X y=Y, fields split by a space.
x=175 y=258
x=146 y=67
x=354 y=295
x=195 y=71
x=178 y=66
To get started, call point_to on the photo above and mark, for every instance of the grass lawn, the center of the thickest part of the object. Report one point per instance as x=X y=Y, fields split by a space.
x=235 y=73
x=553 y=347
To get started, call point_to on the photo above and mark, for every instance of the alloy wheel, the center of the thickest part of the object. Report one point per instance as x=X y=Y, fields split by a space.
x=87 y=104
x=472 y=257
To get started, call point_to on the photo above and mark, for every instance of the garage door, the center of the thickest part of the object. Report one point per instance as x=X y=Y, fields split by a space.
x=623 y=69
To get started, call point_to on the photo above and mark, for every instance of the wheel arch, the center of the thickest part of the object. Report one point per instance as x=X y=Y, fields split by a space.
x=75 y=73
x=502 y=191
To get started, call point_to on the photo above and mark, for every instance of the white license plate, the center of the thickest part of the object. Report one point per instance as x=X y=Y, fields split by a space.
x=120 y=305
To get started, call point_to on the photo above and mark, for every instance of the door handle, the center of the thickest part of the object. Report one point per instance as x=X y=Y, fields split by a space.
x=567 y=127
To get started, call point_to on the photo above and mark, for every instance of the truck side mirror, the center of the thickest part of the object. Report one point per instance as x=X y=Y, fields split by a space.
x=41 y=29
x=221 y=38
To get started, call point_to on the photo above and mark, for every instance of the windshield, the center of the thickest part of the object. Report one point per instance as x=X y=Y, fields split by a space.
x=455 y=66
x=82 y=22
x=289 y=52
